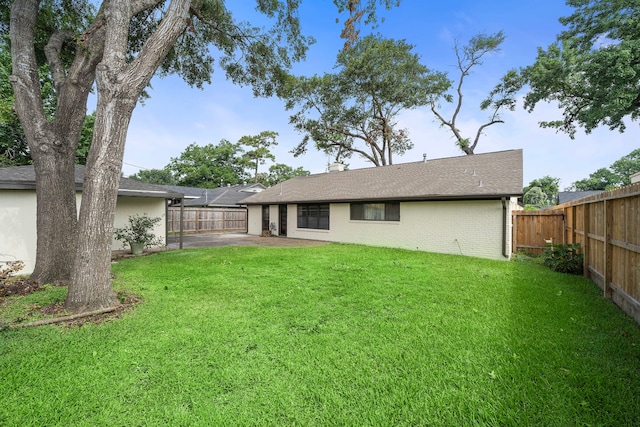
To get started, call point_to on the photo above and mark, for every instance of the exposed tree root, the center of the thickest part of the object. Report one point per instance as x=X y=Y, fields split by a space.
x=65 y=318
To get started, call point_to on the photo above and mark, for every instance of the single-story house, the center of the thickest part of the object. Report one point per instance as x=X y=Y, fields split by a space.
x=18 y=210
x=457 y=205
x=229 y=196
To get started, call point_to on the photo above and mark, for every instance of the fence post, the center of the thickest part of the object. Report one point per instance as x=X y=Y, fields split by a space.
x=586 y=252
x=514 y=233
x=608 y=248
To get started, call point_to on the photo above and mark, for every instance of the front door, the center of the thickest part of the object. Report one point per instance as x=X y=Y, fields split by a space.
x=282 y=209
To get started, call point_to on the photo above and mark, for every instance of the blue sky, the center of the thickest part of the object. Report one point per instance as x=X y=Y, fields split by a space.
x=177 y=115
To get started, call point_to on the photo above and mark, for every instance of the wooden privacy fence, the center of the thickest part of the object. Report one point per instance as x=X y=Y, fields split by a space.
x=207 y=220
x=533 y=229
x=607 y=227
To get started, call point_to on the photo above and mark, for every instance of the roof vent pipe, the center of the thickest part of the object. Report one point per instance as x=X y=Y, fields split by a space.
x=424 y=158
x=336 y=167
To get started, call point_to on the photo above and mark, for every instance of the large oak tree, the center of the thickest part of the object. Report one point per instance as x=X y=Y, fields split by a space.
x=119 y=48
x=354 y=111
x=592 y=70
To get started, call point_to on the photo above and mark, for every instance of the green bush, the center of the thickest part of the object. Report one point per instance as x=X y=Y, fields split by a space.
x=563 y=258
x=139 y=230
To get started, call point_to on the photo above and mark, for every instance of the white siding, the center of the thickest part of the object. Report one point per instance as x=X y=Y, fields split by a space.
x=18 y=223
x=472 y=228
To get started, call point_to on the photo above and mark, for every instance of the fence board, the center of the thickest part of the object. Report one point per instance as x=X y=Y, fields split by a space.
x=531 y=229
x=207 y=220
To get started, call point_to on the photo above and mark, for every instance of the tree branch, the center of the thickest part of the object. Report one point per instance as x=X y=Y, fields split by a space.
x=480 y=129
x=24 y=77
x=139 y=72
x=52 y=52
x=138 y=6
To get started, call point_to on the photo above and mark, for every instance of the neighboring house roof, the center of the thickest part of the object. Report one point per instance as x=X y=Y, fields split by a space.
x=635 y=177
x=479 y=176
x=189 y=192
x=24 y=178
x=569 y=196
x=228 y=196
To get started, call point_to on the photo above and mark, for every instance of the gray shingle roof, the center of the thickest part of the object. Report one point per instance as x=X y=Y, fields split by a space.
x=568 y=196
x=24 y=178
x=480 y=176
x=230 y=195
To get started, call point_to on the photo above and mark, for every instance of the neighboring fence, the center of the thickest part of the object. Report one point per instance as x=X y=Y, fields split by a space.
x=607 y=227
x=207 y=220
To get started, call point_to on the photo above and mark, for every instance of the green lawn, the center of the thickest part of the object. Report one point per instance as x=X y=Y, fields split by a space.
x=331 y=335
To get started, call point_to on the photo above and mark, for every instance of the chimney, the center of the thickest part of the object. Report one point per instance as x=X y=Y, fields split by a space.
x=336 y=167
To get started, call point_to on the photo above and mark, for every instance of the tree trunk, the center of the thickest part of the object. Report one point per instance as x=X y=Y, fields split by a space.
x=52 y=143
x=119 y=85
x=90 y=287
x=55 y=217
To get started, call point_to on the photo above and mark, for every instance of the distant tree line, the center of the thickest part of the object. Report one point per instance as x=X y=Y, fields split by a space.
x=216 y=165
x=544 y=191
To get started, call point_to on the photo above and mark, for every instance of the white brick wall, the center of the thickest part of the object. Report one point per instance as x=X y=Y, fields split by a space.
x=457 y=227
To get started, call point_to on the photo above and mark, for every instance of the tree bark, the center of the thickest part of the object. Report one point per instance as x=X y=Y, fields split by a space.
x=119 y=85
x=52 y=143
x=90 y=286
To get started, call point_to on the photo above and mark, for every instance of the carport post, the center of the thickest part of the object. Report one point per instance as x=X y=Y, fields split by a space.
x=181 y=219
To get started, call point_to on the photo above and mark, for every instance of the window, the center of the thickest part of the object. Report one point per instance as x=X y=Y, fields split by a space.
x=314 y=216
x=389 y=211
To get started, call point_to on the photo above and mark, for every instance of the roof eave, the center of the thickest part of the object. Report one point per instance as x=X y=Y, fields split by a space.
x=424 y=198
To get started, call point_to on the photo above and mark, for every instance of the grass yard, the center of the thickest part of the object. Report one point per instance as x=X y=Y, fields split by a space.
x=330 y=335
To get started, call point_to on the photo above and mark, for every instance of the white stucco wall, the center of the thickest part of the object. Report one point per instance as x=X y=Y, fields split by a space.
x=254 y=220
x=472 y=228
x=152 y=207
x=18 y=227
x=18 y=223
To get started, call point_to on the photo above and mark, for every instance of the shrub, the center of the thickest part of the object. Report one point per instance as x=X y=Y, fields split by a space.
x=138 y=231
x=563 y=258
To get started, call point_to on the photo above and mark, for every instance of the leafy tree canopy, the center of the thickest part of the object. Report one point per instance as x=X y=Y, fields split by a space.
x=535 y=197
x=353 y=111
x=549 y=187
x=210 y=166
x=281 y=172
x=616 y=175
x=593 y=69
x=155 y=176
x=259 y=149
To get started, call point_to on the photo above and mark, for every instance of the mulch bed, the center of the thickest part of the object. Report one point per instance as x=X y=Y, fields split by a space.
x=18 y=287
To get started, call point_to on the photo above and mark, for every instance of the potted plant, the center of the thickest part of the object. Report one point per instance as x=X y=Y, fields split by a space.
x=138 y=234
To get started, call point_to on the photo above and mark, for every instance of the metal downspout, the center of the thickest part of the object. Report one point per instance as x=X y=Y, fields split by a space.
x=504 y=227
